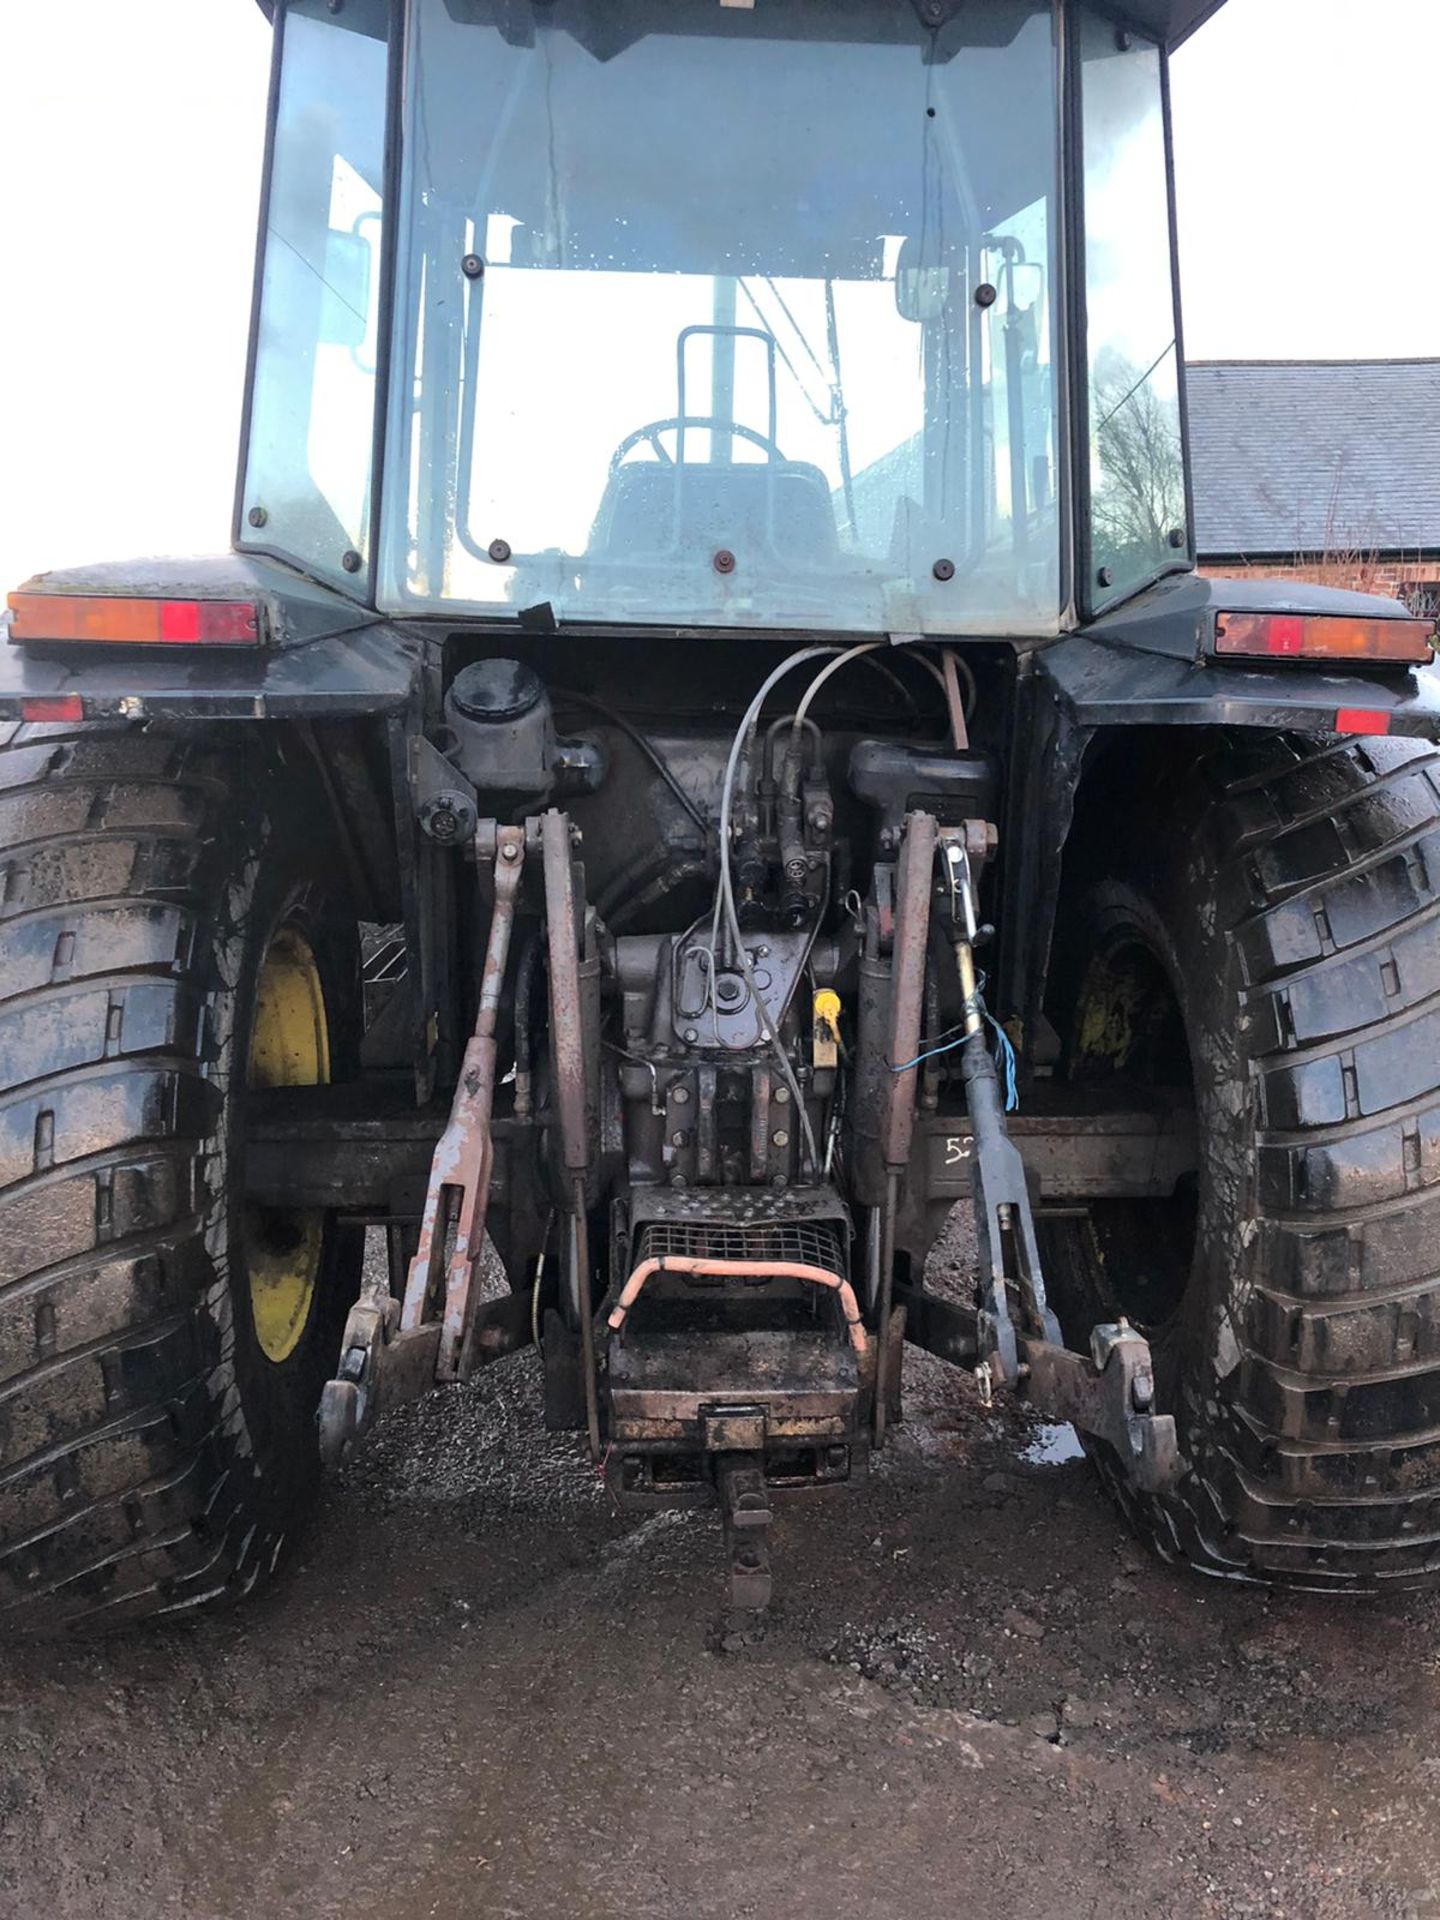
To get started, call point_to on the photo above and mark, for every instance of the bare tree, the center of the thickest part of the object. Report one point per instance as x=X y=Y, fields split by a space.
x=1139 y=487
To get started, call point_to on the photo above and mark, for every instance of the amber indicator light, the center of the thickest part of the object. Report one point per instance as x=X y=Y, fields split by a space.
x=1305 y=636
x=110 y=620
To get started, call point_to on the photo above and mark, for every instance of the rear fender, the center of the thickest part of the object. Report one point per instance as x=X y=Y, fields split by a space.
x=1129 y=679
x=322 y=657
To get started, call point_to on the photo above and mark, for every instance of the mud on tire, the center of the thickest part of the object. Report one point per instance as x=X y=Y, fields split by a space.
x=152 y=1455
x=1275 y=926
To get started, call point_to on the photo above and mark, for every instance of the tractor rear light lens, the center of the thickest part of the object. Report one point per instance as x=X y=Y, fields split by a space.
x=52 y=706
x=1306 y=636
x=110 y=620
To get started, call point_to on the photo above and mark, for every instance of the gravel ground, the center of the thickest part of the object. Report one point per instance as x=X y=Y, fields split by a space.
x=477 y=1690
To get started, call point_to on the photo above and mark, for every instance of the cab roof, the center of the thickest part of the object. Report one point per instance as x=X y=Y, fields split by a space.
x=1169 y=20
x=1172 y=20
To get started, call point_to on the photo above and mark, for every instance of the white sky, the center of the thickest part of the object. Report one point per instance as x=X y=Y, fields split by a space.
x=1309 y=175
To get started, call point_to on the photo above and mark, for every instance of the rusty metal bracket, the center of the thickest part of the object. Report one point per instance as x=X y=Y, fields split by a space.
x=445 y=801
x=1109 y=1394
x=393 y=1351
x=568 y=1040
x=452 y=1228
x=745 y=1505
x=733 y=1429
x=380 y=1368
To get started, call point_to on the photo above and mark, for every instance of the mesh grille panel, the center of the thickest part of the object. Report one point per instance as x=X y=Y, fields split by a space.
x=815 y=1243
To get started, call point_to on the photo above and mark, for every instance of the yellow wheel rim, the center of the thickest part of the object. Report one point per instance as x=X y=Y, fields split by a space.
x=289 y=1047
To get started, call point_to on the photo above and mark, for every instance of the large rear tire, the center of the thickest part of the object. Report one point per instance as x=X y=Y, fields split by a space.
x=1271 y=933
x=169 y=936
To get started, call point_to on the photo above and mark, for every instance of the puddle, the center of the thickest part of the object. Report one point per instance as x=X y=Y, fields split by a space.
x=1048 y=1446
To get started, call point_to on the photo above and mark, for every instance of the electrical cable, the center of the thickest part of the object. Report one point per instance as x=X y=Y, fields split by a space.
x=888 y=673
x=947 y=1042
x=1007 y=1062
x=850 y=653
x=956 y=1036
x=936 y=673
x=539 y=1277
x=535 y=1300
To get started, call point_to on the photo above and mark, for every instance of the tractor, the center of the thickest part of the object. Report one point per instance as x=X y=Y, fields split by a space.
x=708 y=749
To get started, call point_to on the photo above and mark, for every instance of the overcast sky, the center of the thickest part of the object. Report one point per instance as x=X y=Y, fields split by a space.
x=1309 y=175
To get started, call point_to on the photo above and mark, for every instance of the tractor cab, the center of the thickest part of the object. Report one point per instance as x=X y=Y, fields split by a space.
x=721 y=313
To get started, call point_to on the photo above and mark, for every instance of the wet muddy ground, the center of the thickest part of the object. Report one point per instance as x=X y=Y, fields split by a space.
x=478 y=1691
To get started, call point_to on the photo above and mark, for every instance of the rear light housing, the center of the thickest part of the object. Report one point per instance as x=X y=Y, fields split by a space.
x=109 y=620
x=1338 y=638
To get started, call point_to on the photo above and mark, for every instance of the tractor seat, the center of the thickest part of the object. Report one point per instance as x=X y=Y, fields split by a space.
x=742 y=506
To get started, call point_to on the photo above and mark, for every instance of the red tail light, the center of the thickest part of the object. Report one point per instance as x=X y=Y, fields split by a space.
x=1306 y=636
x=107 y=619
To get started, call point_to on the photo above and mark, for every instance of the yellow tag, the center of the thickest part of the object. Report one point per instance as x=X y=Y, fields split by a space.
x=825 y=1038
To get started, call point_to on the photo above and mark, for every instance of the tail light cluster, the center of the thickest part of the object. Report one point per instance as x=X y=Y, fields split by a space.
x=108 y=619
x=1333 y=637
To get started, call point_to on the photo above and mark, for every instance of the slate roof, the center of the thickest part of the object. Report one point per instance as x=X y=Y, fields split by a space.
x=1315 y=456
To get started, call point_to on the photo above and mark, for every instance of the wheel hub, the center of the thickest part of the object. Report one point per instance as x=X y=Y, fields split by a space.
x=289 y=1047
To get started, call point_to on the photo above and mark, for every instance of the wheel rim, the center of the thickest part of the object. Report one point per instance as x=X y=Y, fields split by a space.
x=289 y=1047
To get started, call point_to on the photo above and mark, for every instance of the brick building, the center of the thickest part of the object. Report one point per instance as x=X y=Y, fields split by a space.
x=1323 y=469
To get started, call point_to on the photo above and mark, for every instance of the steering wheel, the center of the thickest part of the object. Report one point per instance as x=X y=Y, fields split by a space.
x=651 y=433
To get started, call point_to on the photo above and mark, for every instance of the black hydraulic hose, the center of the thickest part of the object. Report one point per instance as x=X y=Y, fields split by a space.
x=656 y=866
x=650 y=751
x=674 y=876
